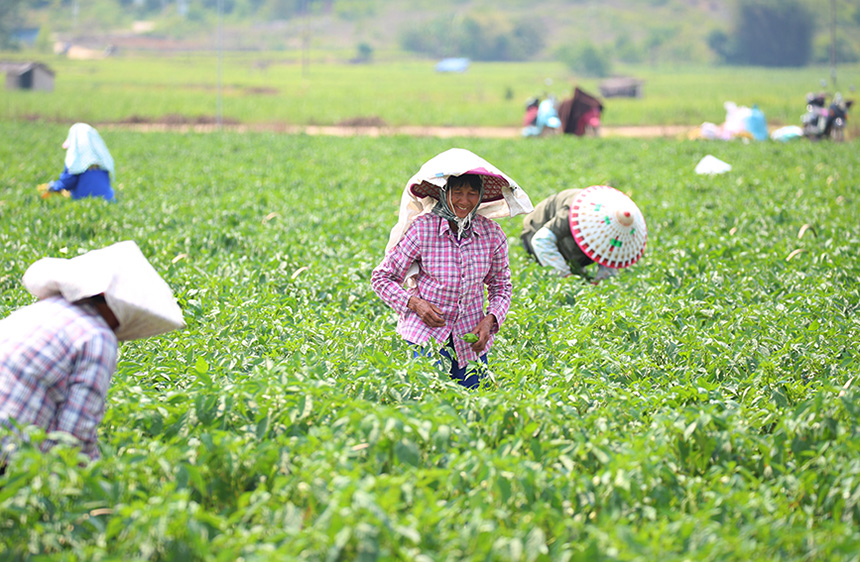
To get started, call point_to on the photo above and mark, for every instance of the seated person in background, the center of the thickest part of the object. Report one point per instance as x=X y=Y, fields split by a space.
x=531 y=112
x=57 y=356
x=88 y=166
x=575 y=228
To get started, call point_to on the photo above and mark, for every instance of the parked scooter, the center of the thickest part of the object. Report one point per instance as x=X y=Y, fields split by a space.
x=822 y=121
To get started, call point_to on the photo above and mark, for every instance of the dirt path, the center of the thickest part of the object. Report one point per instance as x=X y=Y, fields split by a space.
x=385 y=131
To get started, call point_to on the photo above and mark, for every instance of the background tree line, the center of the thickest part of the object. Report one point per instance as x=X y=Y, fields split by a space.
x=779 y=33
x=747 y=32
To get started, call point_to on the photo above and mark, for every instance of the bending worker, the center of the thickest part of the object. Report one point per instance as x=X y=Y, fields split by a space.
x=87 y=167
x=575 y=228
x=57 y=356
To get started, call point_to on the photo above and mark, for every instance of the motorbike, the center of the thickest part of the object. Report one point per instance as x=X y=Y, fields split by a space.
x=823 y=121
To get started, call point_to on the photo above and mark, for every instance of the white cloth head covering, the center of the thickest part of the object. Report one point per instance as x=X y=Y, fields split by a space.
x=443 y=209
x=139 y=298
x=502 y=196
x=85 y=147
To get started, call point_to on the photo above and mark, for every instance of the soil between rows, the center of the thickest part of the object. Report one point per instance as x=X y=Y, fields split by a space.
x=380 y=131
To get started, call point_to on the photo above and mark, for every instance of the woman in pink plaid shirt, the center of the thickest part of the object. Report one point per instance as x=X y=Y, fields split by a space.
x=447 y=253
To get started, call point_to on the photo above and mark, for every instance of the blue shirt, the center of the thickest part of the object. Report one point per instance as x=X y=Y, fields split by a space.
x=94 y=182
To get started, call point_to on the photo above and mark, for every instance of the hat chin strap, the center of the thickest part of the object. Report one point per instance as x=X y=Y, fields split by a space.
x=464 y=223
x=443 y=209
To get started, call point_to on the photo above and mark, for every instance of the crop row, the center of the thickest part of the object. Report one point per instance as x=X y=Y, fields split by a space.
x=702 y=405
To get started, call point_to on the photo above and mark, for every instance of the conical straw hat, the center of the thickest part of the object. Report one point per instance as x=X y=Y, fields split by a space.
x=456 y=162
x=502 y=196
x=608 y=226
x=140 y=299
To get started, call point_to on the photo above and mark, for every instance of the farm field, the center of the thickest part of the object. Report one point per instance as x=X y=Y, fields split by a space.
x=703 y=405
x=274 y=88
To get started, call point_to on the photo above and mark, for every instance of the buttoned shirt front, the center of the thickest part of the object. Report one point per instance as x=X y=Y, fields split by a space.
x=56 y=363
x=452 y=275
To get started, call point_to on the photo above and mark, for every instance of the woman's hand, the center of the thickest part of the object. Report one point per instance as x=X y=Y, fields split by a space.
x=428 y=312
x=603 y=272
x=45 y=191
x=482 y=330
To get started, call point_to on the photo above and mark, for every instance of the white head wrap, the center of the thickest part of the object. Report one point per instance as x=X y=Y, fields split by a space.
x=139 y=298
x=85 y=147
x=456 y=162
x=443 y=209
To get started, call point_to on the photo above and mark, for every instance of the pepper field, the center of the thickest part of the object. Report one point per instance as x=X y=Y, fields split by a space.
x=703 y=405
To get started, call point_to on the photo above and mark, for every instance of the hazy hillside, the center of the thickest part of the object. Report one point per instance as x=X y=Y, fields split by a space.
x=647 y=30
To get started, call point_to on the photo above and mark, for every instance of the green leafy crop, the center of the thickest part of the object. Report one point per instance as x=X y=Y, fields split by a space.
x=702 y=405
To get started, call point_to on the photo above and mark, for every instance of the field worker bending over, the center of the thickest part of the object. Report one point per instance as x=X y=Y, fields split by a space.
x=446 y=249
x=57 y=356
x=88 y=166
x=575 y=228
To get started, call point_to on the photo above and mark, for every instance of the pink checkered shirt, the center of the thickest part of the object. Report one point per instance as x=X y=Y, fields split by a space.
x=451 y=275
x=56 y=362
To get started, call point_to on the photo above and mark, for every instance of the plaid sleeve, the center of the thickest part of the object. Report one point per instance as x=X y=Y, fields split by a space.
x=498 y=281
x=387 y=279
x=83 y=410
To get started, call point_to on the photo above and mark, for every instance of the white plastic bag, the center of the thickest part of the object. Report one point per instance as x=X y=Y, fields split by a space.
x=712 y=165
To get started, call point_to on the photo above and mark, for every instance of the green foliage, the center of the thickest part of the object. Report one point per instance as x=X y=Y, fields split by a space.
x=767 y=33
x=364 y=52
x=529 y=30
x=44 y=43
x=271 y=90
x=281 y=9
x=482 y=37
x=355 y=9
x=657 y=38
x=10 y=17
x=703 y=405
x=627 y=51
x=722 y=45
x=842 y=52
x=587 y=59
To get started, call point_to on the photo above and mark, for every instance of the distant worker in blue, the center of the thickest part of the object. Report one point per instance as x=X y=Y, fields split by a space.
x=88 y=166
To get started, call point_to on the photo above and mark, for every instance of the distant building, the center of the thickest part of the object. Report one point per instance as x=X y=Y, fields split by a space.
x=621 y=87
x=28 y=76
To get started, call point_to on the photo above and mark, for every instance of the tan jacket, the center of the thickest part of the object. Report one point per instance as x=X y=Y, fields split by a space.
x=554 y=213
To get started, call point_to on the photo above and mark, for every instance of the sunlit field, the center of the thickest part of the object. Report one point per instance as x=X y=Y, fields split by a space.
x=702 y=405
x=277 y=88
